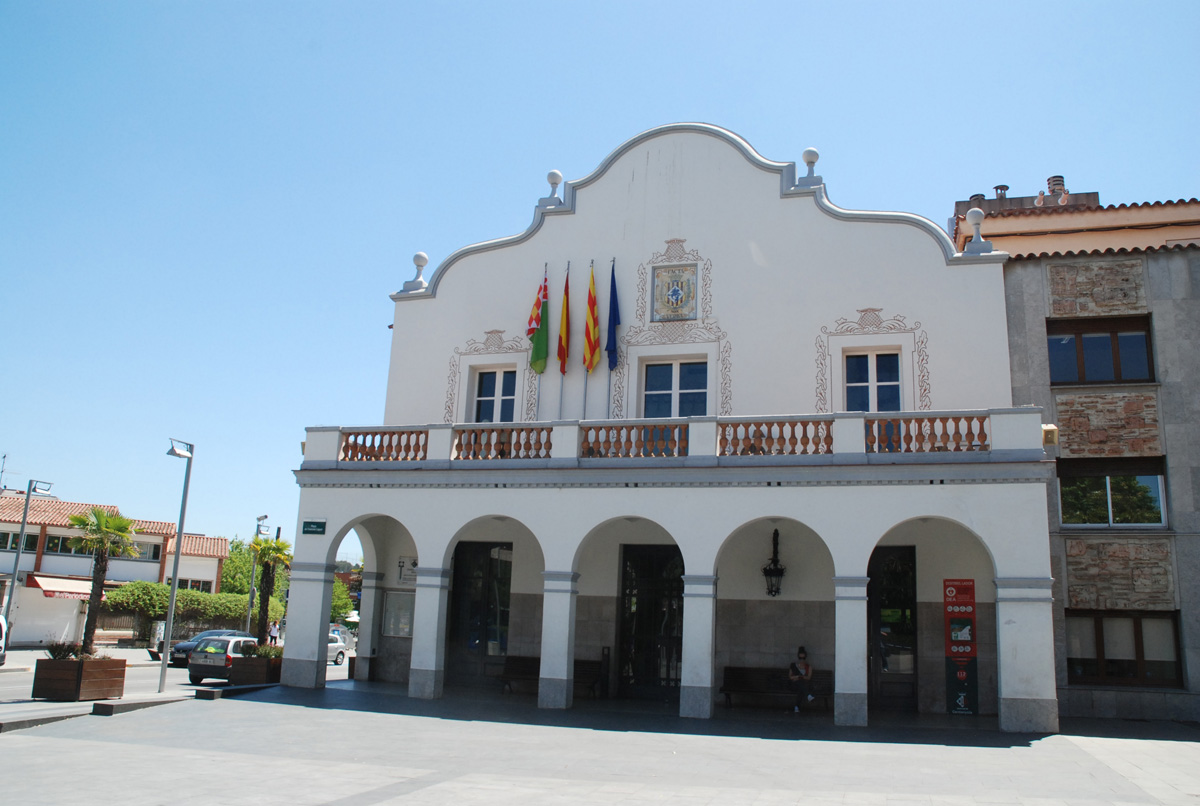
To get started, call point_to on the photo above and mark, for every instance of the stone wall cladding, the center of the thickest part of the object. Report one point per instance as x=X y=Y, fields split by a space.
x=1120 y=573
x=1097 y=289
x=1108 y=424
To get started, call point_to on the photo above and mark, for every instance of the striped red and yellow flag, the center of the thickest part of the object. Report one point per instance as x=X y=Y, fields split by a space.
x=564 y=325
x=591 y=331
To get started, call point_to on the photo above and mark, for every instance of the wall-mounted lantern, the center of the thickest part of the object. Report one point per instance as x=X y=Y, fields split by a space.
x=773 y=571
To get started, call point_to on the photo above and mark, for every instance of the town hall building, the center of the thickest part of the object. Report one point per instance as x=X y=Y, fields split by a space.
x=801 y=431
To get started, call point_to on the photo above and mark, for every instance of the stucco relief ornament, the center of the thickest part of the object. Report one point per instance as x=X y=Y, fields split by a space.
x=870 y=322
x=696 y=330
x=493 y=343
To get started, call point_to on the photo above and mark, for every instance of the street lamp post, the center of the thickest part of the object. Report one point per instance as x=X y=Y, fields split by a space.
x=33 y=486
x=182 y=450
x=258 y=530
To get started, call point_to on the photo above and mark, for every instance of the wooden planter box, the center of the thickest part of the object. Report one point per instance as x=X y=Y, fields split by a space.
x=78 y=680
x=255 y=671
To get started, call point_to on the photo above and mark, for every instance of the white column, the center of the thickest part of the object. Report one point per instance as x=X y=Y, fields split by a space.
x=370 y=604
x=850 y=675
x=305 y=652
x=696 y=690
x=556 y=686
x=427 y=672
x=1025 y=655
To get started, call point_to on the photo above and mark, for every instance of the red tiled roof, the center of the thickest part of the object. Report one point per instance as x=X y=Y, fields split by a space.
x=202 y=546
x=1052 y=208
x=44 y=512
x=1104 y=252
x=52 y=512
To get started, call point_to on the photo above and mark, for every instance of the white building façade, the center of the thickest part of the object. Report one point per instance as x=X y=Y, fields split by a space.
x=840 y=378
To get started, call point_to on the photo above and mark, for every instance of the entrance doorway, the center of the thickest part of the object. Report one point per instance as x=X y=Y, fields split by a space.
x=892 y=629
x=477 y=621
x=651 y=628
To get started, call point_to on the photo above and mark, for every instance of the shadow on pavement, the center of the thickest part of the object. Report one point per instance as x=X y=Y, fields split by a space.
x=482 y=705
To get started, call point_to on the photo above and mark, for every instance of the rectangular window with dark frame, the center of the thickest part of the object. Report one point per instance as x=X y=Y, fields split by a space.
x=1111 y=492
x=1100 y=350
x=1123 y=648
x=495 y=396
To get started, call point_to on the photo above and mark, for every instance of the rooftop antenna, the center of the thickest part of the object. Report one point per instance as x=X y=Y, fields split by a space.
x=3 y=462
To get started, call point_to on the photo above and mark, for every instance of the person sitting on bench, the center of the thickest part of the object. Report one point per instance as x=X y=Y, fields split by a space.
x=799 y=673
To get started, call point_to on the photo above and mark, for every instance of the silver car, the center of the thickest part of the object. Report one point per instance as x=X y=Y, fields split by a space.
x=337 y=649
x=213 y=657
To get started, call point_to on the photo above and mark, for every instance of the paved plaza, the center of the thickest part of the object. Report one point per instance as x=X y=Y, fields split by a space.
x=366 y=744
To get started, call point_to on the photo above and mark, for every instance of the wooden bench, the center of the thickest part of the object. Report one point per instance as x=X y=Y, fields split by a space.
x=773 y=682
x=524 y=669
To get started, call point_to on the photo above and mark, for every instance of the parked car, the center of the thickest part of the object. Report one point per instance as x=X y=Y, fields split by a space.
x=337 y=649
x=213 y=657
x=345 y=633
x=180 y=651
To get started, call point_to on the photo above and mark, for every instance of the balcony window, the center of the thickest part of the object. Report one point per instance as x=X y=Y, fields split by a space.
x=676 y=389
x=873 y=382
x=495 y=396
x=1123 y=648
x=1109 y=350
x=1116 y=492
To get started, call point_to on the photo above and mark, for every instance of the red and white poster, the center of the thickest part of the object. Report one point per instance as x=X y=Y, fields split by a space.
x=958 y=609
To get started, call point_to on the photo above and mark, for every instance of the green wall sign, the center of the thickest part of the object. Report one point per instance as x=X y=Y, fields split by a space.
x=313 y=528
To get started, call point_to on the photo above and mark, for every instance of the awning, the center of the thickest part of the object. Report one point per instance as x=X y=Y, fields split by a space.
x=59 y=588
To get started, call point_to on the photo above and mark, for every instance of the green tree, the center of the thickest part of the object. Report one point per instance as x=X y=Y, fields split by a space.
x=271 y=554
x=104 y=536
x=340 y=604
x=235 y=573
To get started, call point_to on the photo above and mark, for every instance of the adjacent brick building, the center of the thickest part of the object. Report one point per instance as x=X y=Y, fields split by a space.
x=1103 y=315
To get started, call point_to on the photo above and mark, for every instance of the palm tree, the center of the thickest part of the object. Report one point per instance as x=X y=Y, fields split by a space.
x=104 y=535
x=270 y=554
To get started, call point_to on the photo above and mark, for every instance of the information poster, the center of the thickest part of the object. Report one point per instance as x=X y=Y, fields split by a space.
x=962 y=678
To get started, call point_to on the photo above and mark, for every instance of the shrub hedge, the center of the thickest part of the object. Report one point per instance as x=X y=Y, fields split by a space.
x=148 y=600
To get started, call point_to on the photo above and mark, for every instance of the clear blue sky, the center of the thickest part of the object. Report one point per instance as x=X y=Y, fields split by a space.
x=204 y=205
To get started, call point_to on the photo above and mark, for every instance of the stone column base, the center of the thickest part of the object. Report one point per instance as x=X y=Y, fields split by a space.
x=696 y=701
x=362 y=667
x=425 y=684
x=850 y=709
x=554 y=692
x=302 y=673
x=1028 y=716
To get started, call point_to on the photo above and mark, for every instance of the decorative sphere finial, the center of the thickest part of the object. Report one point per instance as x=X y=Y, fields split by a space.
x=420 y=260
x=974 y=217
x=810 y=157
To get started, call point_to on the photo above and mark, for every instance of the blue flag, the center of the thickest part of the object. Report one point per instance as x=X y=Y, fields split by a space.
x=614 y=319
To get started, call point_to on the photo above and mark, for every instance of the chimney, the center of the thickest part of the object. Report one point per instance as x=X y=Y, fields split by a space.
x=1001 y=191
x=1056 y=186
x=976 y=199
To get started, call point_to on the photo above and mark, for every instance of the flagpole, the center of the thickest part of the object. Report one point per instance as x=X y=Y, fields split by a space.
x=612 y=300
x=563 y=375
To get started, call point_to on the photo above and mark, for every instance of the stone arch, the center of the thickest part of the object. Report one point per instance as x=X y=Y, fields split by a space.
x=390 y=555
x=946 y=548
x=754 y=629
x=525 y=592
x=597 y=561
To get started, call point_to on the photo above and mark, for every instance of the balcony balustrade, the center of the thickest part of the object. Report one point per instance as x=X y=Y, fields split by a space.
x=829 y=438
